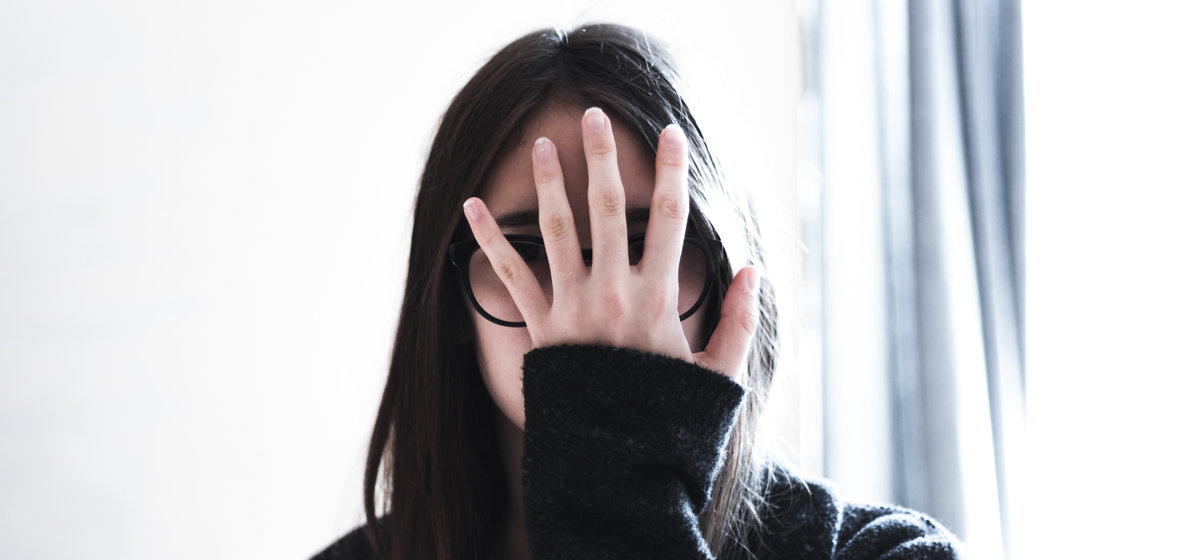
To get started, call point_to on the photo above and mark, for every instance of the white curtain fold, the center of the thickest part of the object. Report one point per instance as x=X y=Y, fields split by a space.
x=921 y=260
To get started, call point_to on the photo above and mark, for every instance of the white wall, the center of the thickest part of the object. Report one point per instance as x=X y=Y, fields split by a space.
x=203 y=223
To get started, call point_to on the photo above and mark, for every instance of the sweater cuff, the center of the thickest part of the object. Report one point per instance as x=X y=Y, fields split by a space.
x=609 y=408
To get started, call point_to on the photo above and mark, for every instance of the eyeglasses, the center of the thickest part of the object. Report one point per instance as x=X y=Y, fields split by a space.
x=491 y=299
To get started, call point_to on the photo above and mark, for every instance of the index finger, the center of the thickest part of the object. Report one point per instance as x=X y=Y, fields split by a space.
x=509 y=267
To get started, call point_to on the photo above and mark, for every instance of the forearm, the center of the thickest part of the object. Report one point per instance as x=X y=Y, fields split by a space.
x=621 y=451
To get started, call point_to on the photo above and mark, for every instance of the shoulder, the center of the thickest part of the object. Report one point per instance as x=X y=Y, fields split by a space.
x=353 y=546
x=806 y=518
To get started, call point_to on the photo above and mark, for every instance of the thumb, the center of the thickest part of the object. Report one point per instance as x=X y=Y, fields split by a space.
x=731 y=339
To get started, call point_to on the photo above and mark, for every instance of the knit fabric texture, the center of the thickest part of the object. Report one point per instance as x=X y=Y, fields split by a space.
x=621 y=451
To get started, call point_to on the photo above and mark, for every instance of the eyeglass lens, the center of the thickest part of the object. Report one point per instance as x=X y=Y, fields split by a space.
x=493 y=297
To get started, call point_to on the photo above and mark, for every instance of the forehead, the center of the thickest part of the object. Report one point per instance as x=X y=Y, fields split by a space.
x=510 y=187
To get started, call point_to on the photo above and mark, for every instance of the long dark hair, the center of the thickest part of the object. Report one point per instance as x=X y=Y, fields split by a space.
x=433 y=467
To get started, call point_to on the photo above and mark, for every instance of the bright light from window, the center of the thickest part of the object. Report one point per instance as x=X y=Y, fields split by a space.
x=1103 y=119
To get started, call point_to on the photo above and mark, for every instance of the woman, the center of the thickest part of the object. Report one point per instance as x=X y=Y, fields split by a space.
x=578 y=371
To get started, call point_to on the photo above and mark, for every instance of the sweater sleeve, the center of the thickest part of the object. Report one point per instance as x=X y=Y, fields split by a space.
x=806 y=520
x=621 y=449
x=892 y=533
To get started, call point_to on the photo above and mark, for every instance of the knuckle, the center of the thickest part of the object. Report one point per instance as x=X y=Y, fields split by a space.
x=659 y=296
x=507 y=272
x=747 y=319
x=673 y=162
x=610 y=201
x=672 y=207
x=485 y=239
x=545 y=176
x=612 y=305
x=601 y=150
x=660 y=304
x=558 y=226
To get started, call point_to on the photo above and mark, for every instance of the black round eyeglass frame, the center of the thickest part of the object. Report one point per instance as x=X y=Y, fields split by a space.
x=462 y=251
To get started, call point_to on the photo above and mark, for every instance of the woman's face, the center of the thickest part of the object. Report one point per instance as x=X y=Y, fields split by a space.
x=510 y=190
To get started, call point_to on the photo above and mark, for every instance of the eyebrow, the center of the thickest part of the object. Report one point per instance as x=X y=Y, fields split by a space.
x=530 y=217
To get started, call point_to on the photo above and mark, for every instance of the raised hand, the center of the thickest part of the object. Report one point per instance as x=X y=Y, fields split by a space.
x=614 y=302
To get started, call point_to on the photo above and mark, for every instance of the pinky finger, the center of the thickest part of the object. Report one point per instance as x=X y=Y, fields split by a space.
x=731 y=340
x=516 y=276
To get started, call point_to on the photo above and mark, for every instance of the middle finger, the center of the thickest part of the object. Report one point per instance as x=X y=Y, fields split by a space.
x=607 y=200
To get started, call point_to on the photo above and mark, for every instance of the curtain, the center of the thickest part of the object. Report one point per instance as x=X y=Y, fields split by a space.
x=918 y=247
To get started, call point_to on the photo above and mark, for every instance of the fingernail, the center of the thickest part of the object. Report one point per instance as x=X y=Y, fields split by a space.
x=673 y=135
x=595 y=119
x=471 y=209
x=544 y=148
x=752 y=279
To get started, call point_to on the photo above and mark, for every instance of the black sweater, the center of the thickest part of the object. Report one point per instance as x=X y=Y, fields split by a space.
x=621 y=449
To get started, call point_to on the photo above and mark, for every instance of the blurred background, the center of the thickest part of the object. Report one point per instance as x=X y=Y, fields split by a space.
x=204 y=220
